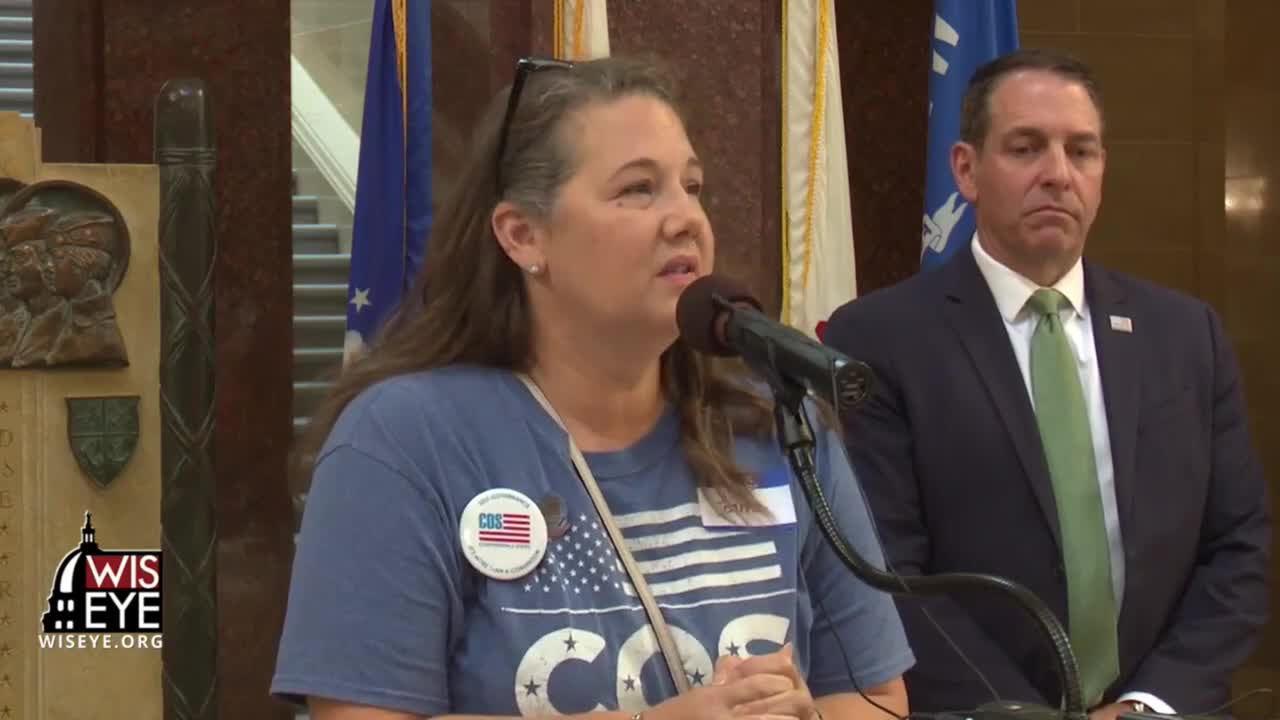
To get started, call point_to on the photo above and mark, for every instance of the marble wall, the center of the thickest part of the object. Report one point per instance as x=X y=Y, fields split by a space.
x=726 y=56
x=884 y=66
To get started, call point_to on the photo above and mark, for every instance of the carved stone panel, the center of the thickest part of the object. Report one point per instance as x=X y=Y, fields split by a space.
x=80 y=427
x=64 y=250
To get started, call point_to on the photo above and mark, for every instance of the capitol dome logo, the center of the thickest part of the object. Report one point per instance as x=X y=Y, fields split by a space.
x=104 y=591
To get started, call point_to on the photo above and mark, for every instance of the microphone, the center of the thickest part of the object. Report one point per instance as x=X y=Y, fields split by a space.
x=717 y=316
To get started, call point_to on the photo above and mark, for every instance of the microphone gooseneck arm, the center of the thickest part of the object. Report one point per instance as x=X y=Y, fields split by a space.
x=795 y=436
x=717 y=316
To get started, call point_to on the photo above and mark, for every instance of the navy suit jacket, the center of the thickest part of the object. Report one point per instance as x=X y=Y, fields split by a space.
x=949 y=454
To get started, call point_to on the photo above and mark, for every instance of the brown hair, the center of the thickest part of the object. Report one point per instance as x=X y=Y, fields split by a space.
x=469 y=302
x=975 y=107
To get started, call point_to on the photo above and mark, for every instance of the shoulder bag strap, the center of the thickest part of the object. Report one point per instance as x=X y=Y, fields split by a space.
x=665 y=642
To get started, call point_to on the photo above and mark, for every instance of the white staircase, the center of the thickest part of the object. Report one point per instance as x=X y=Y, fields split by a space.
x=17 y=78
x=321 y=266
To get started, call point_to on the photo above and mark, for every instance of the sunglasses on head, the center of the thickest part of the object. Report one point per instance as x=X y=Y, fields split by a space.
x=525 y=67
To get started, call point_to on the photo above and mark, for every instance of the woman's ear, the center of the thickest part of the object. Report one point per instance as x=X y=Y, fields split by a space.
x=519 y=236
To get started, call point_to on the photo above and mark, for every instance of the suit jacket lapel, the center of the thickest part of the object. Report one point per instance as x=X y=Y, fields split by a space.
x=1119 y=365
x=970 y=308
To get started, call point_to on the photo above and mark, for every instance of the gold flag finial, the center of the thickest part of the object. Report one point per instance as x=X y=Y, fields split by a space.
x=399 y=21
x=557 y=29
x=579 y=27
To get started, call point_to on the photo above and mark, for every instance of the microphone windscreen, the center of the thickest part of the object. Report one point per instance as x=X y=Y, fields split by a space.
x=698 y=314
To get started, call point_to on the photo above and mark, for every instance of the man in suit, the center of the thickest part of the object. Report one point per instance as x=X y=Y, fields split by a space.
x=1076 y=430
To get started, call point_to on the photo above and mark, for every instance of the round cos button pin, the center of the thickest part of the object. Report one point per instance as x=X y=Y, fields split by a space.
x=503 y=534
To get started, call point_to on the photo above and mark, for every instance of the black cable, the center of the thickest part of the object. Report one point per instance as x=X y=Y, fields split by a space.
x=954 y=646
x=946 y=636
x=848 y=666
x=968 y=662
x=796 y=438
x=898 y=585
x=1237 y=700
x=806 y=470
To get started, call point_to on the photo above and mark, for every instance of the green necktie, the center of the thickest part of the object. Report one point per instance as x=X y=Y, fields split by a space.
x=1063 y=420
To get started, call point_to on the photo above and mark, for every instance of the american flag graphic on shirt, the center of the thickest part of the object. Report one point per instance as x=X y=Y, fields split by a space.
x=684 y=563
x=735 y=574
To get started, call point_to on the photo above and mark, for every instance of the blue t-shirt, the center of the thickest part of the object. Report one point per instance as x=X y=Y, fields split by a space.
x=385 y=609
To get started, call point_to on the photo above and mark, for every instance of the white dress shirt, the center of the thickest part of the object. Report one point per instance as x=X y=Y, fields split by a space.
x=1011 y=292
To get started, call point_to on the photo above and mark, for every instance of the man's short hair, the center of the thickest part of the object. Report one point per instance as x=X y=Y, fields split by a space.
x=975 y=108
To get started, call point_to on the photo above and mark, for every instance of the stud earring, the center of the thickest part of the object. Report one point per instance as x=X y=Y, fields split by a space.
x=535 y=269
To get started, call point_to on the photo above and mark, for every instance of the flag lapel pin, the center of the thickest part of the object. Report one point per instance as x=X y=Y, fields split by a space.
x=1121 y=323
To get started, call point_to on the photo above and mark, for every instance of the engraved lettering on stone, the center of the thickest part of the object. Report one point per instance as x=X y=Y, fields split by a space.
x=6 y=438
x=63 y=253
x=6 y=499
x=6 y=589
x=7 y=471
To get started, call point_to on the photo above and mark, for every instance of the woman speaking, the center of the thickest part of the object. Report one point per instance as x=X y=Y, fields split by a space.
x=531 y=498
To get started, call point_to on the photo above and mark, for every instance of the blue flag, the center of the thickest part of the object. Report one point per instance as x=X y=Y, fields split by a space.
x=966 y=34
x=393 y=185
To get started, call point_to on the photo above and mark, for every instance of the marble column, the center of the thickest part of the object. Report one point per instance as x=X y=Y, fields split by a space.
x=725 y=54
x=884 y=67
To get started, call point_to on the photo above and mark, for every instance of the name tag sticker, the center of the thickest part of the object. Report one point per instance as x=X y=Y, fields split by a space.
x=773 y=492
